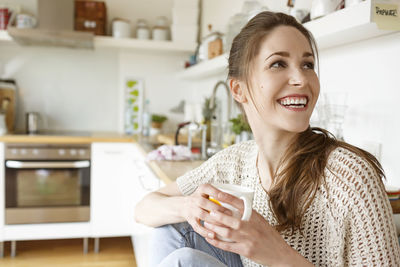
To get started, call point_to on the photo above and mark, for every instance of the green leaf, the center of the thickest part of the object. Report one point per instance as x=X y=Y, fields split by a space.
x=135 y=126
x=135 y=92
x=131 y=84
x=136 y=108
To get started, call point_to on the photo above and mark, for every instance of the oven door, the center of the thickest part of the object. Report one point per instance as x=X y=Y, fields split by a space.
x=47 y=191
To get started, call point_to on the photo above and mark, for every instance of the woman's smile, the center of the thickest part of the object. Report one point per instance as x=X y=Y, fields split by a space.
x=294 y=102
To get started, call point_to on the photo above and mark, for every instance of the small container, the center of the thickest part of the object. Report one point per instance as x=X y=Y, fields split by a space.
x=32 y=122
x=160 y=31
x=142 y=30
x=121 y=28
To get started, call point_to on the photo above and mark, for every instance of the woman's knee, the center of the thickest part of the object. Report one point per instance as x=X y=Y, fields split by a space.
x=185 y=257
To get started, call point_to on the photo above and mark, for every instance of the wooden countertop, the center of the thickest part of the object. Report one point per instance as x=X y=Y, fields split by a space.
x=169 y=171
x=68 y=138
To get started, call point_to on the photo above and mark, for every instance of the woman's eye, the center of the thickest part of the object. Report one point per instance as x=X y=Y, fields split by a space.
x=309 y=65
x=278 y=64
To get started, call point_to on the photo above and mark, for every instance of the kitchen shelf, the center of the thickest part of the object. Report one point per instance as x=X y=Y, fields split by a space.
x=344 y=26
x=131 y=43
x=126 y=43
x=348 y=25
x=207 y=68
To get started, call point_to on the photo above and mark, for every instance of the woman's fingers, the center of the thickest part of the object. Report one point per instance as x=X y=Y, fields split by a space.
x=230 y=221
x=231 y=200
x=200 y=229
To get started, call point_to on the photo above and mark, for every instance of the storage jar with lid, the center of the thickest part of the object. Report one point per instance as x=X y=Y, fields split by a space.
x=160 y=31
x=142 y=30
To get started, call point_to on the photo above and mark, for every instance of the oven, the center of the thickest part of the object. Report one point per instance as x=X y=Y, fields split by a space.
x=47 y=183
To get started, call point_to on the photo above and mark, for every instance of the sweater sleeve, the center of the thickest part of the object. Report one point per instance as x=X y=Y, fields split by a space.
x=370 y=238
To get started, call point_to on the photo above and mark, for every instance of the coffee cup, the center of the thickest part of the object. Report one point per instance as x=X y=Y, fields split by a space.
x=244 y=193
x=25 y=21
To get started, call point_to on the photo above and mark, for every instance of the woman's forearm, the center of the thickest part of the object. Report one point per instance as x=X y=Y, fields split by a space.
x=157 y=209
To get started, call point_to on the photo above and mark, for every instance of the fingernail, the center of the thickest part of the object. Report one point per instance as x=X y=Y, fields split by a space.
x=213 y=213
x=210 y=235
x=206 y=225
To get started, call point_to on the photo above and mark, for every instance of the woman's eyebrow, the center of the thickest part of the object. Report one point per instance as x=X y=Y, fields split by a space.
x=287 y=54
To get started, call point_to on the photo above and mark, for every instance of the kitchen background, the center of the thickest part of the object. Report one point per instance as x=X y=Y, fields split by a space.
x=82 y=90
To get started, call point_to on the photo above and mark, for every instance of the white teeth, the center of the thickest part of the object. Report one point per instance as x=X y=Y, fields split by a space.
x=293 y=101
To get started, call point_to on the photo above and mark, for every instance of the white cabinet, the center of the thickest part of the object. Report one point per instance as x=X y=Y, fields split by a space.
x=112 y=192
x=119 y=179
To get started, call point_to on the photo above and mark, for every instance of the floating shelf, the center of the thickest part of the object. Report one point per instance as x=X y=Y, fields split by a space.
x=131 y=43
x=348 y=25
x=124 y=43
x=207 y=68
x=344 y=26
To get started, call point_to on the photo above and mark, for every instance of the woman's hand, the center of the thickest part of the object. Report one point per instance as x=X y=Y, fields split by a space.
x=197 y=207
x=255 y=239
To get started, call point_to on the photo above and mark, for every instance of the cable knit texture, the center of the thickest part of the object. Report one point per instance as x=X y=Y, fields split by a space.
x=349 y=223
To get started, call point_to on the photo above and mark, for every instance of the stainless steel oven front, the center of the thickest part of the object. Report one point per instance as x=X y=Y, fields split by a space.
x=47 y=183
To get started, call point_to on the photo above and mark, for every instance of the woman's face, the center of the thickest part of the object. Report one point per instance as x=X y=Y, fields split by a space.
x=283 y=82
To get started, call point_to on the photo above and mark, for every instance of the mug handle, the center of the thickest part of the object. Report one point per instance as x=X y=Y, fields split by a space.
x=247 y=208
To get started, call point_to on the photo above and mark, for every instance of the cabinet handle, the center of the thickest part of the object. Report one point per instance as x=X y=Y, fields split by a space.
x=140 y=177
x=47 y=164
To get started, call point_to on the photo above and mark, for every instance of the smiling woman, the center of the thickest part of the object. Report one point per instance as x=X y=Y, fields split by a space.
x=317 y=201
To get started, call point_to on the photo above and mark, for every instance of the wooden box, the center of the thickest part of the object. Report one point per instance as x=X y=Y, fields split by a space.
x=90 y=16
x=215 y=48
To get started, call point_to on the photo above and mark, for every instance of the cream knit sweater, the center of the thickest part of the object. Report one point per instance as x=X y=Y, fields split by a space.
x=351 y=226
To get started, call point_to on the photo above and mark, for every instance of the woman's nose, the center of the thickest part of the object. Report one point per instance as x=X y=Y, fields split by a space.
x=297 y=78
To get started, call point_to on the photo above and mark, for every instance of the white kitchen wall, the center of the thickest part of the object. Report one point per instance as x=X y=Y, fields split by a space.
x=72 y=89
x=81 y=89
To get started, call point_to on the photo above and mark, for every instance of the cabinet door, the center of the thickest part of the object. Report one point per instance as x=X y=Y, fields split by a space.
x=147 y=182
x=114 y=190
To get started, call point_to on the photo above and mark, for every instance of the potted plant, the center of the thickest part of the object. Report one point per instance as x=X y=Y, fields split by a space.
x=157 y=121
x=241 y=128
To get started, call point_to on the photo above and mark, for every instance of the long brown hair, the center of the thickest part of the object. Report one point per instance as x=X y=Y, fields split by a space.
x=301 y=170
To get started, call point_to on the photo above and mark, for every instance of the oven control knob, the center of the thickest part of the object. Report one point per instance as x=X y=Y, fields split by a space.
x=23 y=151
x=35 y=152
x=14 y=151
x=61 y=152
x=72 y=152
x=82 y=152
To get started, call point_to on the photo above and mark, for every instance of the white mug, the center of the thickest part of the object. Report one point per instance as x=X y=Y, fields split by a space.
x=244 y=193
x=25 y=21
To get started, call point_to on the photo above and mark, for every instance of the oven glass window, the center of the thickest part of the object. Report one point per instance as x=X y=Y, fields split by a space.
x=47 y=187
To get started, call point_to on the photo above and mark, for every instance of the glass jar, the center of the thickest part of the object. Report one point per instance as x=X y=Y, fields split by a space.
x=142 y=30
x=160 y=31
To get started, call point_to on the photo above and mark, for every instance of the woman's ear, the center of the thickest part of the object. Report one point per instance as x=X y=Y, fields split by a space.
x=238 y=90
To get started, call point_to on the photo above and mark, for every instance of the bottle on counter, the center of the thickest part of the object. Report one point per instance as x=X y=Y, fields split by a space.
x=146 y=118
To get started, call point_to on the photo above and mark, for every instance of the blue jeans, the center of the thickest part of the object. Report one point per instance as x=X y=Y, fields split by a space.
x=179 y=245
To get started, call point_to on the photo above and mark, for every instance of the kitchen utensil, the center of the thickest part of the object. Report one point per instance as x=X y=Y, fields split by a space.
x=32 y=122
x=121 y=28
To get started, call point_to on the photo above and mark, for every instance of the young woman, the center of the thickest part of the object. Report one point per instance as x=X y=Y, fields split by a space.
x=317 y=201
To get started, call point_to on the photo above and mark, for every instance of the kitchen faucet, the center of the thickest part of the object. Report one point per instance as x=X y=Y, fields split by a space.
x=214 y=148
x=228 y=93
